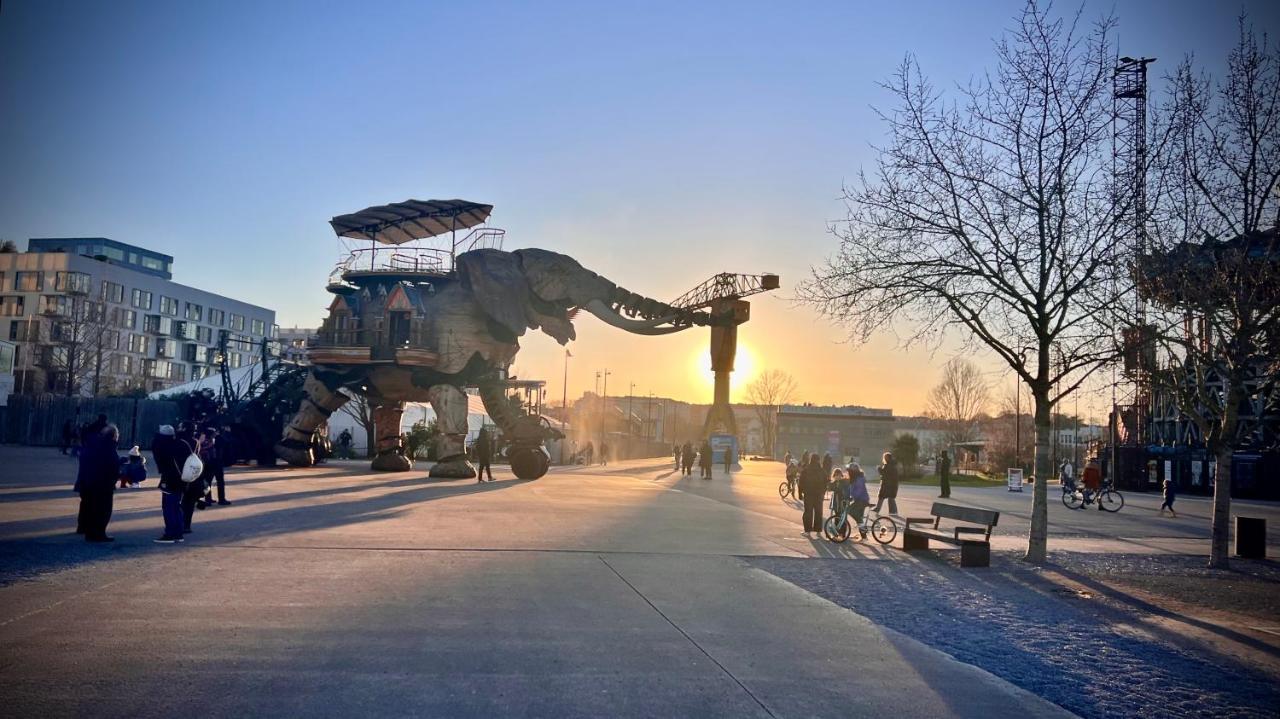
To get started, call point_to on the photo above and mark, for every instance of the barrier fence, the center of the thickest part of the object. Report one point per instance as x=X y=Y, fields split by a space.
x=39 y=420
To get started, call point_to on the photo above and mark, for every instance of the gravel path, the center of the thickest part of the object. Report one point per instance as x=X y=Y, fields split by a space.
x=1083 y=654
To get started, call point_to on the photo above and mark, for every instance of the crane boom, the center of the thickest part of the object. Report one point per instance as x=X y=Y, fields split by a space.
x=726 y=285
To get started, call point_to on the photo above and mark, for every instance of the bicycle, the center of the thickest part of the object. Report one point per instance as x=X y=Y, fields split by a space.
x=838 y=526
x=1108 y=499
x=788 y=486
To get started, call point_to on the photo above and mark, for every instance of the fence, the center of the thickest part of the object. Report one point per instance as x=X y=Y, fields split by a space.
x=39 y=420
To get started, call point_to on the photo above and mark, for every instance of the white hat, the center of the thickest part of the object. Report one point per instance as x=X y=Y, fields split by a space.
x=166 y=429
x=135 y=452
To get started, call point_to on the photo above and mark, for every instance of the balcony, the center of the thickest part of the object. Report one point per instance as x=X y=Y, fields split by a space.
x=410 y=262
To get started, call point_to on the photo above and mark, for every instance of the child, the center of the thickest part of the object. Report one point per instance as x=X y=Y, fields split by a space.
x=133 y=471
x=1170 y=494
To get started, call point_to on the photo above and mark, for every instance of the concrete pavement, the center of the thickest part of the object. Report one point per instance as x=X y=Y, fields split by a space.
x=339 y=592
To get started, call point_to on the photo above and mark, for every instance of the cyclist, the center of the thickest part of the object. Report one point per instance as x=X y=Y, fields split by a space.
x=858 y=495
x=1092 y=479
x=793 y=474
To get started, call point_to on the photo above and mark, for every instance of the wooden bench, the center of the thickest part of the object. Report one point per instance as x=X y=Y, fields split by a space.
x=974 y=551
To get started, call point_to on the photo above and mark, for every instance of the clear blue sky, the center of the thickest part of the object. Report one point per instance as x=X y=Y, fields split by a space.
x=657 y=142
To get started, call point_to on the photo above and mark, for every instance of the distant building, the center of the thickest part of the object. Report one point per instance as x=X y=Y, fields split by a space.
x=90 y=315
x=6 y=371
x=851 y=432
x=293 y=343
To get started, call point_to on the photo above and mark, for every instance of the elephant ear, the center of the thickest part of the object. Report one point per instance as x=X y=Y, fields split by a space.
x=497 y=284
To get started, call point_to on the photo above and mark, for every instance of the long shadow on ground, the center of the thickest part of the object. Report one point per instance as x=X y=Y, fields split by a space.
x=1087 y=656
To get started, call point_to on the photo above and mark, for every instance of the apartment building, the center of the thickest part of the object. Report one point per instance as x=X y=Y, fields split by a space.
x=91 y=315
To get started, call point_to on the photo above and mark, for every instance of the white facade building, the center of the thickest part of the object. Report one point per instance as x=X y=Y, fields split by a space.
x=93 y=316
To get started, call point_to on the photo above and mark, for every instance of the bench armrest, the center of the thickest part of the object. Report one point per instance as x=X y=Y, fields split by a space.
x=918 y=520
x=970 y=530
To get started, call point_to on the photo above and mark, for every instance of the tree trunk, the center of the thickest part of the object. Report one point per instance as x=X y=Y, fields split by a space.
x=1223 y=448
x=1221 y=522
x=1038 y=539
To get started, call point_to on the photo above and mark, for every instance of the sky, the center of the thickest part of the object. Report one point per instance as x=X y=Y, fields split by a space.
x=657 y=143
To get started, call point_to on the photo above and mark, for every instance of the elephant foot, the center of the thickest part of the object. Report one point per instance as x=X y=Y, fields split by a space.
x=391 y=462
x=456 y=468
x=298 y=456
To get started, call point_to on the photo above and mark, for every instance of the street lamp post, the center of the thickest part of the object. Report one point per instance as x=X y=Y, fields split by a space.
x=603 y=418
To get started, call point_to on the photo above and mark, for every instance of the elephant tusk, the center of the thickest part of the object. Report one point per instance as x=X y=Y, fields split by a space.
x=640 y=327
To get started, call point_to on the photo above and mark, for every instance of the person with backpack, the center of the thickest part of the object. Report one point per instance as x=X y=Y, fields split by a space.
x=170 y=456
x=193 y=487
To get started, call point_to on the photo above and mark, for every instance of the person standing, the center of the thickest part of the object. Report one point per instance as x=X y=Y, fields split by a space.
x=170 y=455
x=68 y=433
x=728 y=459
x=484 y=454
x=211 y=455
x=813 y=488
x=675 y=454
x=888 y=483
x=686 y=458
x=96 y=482
x=704 y=460
x=604 y=454
x=858 y=495
x=191 y=491
x=1170 y=494
x=944 y=473
x=827 y=464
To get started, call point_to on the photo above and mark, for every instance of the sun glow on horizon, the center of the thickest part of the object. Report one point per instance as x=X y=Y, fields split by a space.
x=745 y=367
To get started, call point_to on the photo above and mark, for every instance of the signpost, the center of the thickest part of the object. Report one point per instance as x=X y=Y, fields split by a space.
x=1015 y=479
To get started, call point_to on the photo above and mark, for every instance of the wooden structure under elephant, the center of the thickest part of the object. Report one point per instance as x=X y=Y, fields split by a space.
x=422 y=321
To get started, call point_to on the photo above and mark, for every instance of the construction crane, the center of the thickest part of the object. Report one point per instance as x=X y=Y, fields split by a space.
x=722 y=296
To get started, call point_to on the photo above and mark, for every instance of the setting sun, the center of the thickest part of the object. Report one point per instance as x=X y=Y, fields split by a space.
x=745 y=367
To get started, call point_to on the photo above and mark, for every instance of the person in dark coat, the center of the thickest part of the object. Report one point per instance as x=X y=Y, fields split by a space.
x=827 y=464
x=68 y=434
x=169 y=455
x=813 y=488
x=211 y=455
x=704 y=460
x=944 y=474
x=888 y=483
x=96 y=482
x=728 y=459
x=686 y=458
x=483 y=450
x=191 y=491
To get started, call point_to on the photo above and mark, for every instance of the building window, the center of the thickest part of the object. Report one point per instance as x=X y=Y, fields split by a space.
x=152 y=263
x=76 y=282
x=112 y=292
x=166 y=348
x=233 y=359
x=28 y=281
x=12 y=306
x=139 y=344
x=194 y=312
x=199 y=371
x=217 y=318
x=123 y=318
x=168 y=306
x=124 y=364
x=258 y=327
x=204 y=335
x=58 y=305
x=141 y=299
x=177 y=371
x=237 y=323
x=24 y=331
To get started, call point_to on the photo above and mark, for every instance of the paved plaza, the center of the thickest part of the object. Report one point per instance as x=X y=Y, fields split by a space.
x=618 y=591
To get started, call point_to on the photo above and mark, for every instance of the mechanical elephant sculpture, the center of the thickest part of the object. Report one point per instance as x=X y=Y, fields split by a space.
x=403 y=335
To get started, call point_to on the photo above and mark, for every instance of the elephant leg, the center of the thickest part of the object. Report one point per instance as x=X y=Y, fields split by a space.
x=450 y=404
x=319 y=403
x=386 y=423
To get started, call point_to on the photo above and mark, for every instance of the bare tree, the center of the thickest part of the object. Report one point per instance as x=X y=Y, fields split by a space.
x=1213 y=333
x=959 y=400
x=359 y=409
x=768 y=392
x=83 y=343
x=994 y=215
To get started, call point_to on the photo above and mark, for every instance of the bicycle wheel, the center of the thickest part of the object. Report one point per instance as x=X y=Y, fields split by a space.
x=1073 y=500
x=884 y=529
x=1111 y=500
x=784 y=489
x=836 y=528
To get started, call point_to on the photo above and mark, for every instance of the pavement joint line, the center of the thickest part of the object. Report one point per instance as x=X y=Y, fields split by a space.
x=690 y=639
x=64 y=600
x=487 y=550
